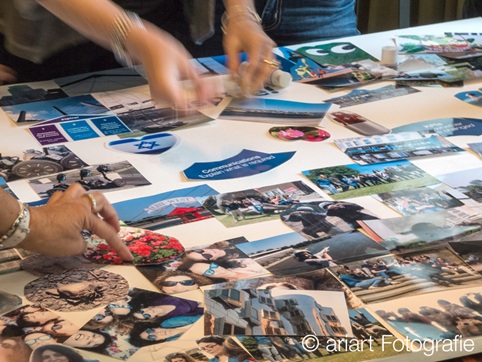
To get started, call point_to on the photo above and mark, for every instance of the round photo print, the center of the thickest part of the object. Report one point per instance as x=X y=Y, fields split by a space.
x=77 y=289
x=294 y=133
x=147 y=247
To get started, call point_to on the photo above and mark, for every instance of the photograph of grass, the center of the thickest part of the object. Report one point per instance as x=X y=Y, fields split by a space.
x=353 y=180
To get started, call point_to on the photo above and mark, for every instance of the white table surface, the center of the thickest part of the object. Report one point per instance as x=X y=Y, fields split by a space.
x=220 y=139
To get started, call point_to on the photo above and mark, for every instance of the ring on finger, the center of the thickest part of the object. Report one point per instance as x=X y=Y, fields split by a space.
x=93 y=202
x=272 y=63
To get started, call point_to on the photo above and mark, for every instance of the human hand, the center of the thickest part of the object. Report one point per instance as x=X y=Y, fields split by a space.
x=7 y=75
x=55 y=228
x=242 y=34
x=166 y=63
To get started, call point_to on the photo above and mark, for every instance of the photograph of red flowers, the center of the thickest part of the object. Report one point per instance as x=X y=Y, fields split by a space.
x=147 y=247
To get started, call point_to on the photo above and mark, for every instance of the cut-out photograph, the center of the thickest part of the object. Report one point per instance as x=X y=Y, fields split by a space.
x=419 y=200
x=277 y=312
x=36 y=326
x=353 y=180
x=289 y=254
x=444 y=315
x=405 y=233
x=106 y=177
x=38 y=162
x=166 y=209
x=219 y=262
x=321 y=220
x=390 y=277
x=265 y=203
x=143 y=318
x=76 y=289
x=147 y=247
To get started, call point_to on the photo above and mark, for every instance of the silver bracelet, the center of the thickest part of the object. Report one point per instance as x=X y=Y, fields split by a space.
x=238 y=14
x=122 y=25
x=19 y=229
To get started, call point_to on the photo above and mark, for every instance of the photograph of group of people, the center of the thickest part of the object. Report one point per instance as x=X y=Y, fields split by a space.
x=391 y=276
x=444 y=315
x=353 y=180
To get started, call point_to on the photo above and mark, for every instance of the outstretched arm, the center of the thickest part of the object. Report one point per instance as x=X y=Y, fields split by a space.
x=55 y=228
x=165 y=60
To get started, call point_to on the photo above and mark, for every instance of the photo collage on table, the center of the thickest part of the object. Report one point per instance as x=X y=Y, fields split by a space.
x=343 y=272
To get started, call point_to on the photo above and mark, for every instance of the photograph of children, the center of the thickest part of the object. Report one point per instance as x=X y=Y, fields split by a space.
x=147 y=247
x=142 y=318
x=76 y=289
x=35 y=163
x=470 y=252
x=419 y=200
x=395 y=146
x=261 y=204
x=106 y=177
x=219 y=262
x=389 y=277
x=166 y=209
x=417 y=231
x=289 y=254
x=353 y=180
x=321 y=220
x=30 y=113
x=276 y=312
x=36 y=326
x=444 y=315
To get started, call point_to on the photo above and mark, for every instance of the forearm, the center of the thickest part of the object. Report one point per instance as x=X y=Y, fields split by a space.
x=92 y=18
x=230 y=4
x=9 y=211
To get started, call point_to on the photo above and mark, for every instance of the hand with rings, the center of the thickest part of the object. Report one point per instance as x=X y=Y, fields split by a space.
x=55 y=228
x=244 y=33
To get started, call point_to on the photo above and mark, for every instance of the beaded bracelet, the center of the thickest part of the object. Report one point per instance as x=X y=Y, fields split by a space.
x=237 y=15
x=123 y=24
x=19 y=229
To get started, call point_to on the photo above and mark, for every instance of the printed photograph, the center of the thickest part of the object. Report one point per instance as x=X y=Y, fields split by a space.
x=76 y=289
x=218 y=262
x=147 y=247
x=444 y=315
x=353 y=180
x=36 y=112
x=421 y=200
x=33 y=326
x=289 y=254
x=321 y=220
x=265 y=203
x=395 y=146
x=390 y=277
x=38 y=162
x=459 y=224
x=106 y=177
x=167 y=209
x=142 y=318
x=468 y=182
x=266 y=312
